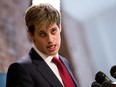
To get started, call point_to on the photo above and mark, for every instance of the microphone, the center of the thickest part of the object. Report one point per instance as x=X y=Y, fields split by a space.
x=113 y=71
x=96 y=84
x=108 y=84
x=100 y=77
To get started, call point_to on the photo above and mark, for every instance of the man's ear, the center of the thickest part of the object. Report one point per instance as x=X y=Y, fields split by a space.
x=30 y=36
x=60 y=29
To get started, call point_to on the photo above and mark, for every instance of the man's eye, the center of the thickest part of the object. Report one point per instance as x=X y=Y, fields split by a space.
x=54 y=30
x=42 y=34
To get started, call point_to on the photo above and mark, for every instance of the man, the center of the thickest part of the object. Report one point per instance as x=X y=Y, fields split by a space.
x=37 y=69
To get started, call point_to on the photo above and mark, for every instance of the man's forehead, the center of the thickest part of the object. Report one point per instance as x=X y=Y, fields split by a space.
x=44 y=28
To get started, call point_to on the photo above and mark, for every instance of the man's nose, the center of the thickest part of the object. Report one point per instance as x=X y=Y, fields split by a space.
x=50 y=38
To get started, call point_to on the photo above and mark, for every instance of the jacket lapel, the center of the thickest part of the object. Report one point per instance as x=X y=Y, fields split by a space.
x=44 y=69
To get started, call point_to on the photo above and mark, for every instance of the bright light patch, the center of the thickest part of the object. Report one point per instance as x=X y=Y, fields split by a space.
x=55 y=3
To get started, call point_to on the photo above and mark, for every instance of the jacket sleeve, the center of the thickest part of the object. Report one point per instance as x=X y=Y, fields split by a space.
x=17 y=76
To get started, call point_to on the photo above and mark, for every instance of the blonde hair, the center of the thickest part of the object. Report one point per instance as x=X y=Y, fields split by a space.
x=43 y=15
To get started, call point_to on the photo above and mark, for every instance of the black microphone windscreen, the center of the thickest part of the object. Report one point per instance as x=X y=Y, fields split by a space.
x=113 y=71
x=108 y=84
x=100 y=77
x=96 y=84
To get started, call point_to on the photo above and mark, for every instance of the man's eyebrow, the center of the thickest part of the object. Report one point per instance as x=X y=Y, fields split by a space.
x=41 y=31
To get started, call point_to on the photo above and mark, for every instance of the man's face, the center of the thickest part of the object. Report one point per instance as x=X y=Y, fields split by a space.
x=47 y=40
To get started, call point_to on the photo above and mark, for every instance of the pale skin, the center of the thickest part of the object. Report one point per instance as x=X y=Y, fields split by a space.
x=47 y=40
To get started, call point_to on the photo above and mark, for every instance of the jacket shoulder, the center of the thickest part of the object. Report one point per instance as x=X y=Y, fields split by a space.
x=24 y=59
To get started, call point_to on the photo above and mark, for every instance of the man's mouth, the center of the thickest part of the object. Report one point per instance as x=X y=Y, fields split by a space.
x=51 y=47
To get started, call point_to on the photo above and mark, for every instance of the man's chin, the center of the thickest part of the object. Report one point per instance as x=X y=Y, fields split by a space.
x=52 y=53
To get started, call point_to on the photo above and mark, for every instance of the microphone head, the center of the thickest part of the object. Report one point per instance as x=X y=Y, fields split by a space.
x=108 y=84
x=96 y=84
x=113 y=71
x=100 y=77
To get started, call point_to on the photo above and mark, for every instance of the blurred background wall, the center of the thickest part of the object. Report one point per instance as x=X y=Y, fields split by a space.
x=14 y=41
x=90 y=29
x=88 y=36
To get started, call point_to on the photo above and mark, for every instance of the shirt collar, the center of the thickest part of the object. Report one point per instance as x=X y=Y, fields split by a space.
x=46 y=58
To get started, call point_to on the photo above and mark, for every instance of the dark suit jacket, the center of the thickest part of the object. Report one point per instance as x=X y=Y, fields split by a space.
x=32 y=71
